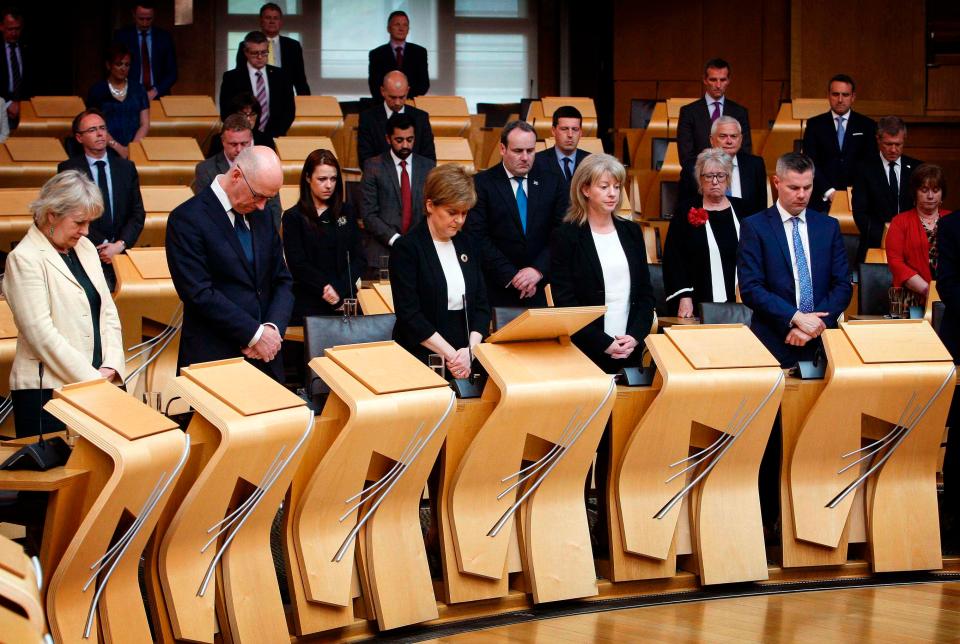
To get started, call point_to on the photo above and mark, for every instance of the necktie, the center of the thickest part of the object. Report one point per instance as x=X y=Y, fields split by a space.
x=405 y=198
x=105 y=192
x=15 y=66
x=521 y=203
x=262 y=99
x=803 y=271
x=271 y=59
x=840 y=131
x=244 y=236
x=716 y=111
x=399 y=57
x=894 y=186
x=145 y=58
x=566 y=169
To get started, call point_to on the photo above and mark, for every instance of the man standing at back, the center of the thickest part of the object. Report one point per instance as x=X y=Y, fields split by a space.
x=282 y=51
x=400 y=55
x=268 y=84
x=517 y=209
x=227 y=265
x=15 y=74
x=693 y=127
x=153 y=60
x=372 y=129
x=564 y=156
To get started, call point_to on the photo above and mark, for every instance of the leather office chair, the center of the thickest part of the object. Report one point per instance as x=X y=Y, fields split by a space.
x=725 y=313
x=875 y=281
x=324 y=331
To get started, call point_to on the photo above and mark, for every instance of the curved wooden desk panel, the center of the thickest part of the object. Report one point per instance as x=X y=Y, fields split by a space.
x=19 y=586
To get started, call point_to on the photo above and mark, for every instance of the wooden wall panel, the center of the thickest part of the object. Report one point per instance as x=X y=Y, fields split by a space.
x=657 y=41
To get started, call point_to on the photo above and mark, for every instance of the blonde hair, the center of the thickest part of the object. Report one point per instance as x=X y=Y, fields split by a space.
x=589 y=172
x=66 y=193
x=450 y=185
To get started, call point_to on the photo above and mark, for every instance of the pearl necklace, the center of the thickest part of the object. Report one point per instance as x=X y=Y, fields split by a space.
x=119 y=94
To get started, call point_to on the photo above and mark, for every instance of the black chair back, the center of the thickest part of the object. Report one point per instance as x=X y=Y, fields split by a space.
x=324 y=331
x=937 y=315
x=850 y=244
x=504 y=315
x=669 y=198
x=725 y=313
x=874 y=281
x=659 y=292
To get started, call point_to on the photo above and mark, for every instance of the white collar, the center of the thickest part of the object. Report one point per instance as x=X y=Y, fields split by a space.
x=786 y=216
x=397 y=160
x=253 y=70
x=896 y=162
x=221 y=193
x=510 y=174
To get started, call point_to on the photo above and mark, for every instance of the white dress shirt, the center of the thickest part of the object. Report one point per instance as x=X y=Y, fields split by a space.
x=735 y=189
x=711 y=100
x=386 y=108
x=616 y=282
x=896 y=170
x=786 y=218
x=252 y=72
x=456 y=287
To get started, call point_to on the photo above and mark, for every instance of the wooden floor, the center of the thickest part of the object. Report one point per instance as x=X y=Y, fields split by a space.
x=894 y=614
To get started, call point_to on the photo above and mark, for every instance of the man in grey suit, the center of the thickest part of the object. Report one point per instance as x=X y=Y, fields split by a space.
x=393 y=188
x=236 y=136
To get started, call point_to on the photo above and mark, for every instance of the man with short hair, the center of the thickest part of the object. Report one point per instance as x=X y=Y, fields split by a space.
x=121 y=223
x=881 y=184
x=749 y=179
x=838 y=141
x=227 y=266
x=792 y=267
x=269 y=85
x=153 y=59
x=564 y=156
x=518 y=207
x=236 y=136
x=400 y=55
x=392 y=188
x=696 y=118
x=282 y=51
x=372 y=129
x=15 y=72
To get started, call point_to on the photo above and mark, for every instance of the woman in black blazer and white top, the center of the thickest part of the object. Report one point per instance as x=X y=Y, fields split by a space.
x=432 y=270
x=321 y=240
x=598 y=258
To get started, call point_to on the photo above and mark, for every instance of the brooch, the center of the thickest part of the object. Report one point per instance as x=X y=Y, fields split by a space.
x=536 y=183
x=463 y=258
x=342 y=221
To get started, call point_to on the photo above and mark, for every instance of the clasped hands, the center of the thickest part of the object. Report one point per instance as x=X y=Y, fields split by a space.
x=526 y=281
x=806 y=327
x=266 y=347
x=108 y=250
x=621 y=347
x=458 y=363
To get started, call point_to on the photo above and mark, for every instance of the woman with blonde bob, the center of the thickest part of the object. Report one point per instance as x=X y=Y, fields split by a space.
x=598 y=258
x=68 y=326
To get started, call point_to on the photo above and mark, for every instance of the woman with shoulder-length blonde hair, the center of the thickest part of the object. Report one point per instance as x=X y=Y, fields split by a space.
x=598 y=258
x=68 y=326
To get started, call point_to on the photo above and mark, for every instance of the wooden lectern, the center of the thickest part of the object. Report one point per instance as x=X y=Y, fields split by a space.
x=359 y=487
x=552 y=407
x=876 y=426
x=134 y=456
x=702 y=436
x=248 y=433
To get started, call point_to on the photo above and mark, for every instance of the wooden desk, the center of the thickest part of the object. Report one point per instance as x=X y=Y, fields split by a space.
x=52 y=480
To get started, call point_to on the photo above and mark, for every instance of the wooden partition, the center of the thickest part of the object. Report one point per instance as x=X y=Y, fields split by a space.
x=49 y=116
x=15 y=216
x=543 y=120
x=158 y=201
x=194 y=116
x=449 y=115
x=293 y=151
x=451 y=149
x=317 y=116
x=28 y=161
x=166 y=160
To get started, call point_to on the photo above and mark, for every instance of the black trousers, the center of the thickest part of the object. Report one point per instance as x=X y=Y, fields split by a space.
x=29 y=418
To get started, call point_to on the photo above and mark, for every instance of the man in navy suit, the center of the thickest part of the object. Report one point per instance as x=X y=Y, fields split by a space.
x=837 y=141
x=372 y=128
x=693 y=127
x=517 y=209
x=157 y=71
x=227 y=265
x=398 y=54
x=563 y=158
x=281 y=51
x=792 y=267
x=270 y=86
x=15 y=72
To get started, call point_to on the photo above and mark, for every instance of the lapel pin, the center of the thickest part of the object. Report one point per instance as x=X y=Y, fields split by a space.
x=463 y=258
x=536 y=183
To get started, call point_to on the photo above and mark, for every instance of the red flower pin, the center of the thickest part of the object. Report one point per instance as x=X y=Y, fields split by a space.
x=697 y=217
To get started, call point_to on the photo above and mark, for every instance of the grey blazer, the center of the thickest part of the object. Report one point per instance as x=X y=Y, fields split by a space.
x=382 y=211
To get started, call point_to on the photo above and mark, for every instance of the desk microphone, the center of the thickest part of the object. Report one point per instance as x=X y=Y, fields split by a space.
x=44 y=454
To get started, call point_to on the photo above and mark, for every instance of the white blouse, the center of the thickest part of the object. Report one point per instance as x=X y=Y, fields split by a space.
x=456 y=288
x=616 y=282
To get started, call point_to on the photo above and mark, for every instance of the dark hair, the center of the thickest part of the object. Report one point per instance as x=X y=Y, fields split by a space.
x=254 y=38
x=928 y=174
x=144 y=4
x=316 y=158
x=891 y=125
x=236 y=122
x=515 y=125
x=241 y=100
x=398 y=121
x=566 y=112
x=13 y=12
x=115 y=51
x=271 y=5
x=90 y=111
x=716 y=63
x=394 y=14
x=794 y=162
x=842 y=78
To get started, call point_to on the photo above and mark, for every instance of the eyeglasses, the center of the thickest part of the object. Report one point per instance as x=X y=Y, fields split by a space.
x=257 y=53
x=715 y=177
x=91 y=130
x=256 y=195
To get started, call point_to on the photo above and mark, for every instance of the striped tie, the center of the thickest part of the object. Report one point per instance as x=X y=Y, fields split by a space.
x=262 y=99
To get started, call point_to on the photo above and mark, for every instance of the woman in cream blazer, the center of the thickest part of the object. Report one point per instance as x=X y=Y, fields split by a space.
x=68 y=326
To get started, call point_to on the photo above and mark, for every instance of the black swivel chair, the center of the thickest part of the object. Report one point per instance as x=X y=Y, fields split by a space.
x=874 y=282
x=725 y=313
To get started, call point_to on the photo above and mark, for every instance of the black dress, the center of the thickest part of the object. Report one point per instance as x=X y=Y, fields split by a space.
x=687 y=271
x=316 y=252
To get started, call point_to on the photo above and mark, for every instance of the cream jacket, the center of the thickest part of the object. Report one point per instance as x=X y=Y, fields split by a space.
x=53 y=315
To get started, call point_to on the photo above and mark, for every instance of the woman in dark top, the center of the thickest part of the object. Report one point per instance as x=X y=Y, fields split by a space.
x=122 y=100
x=321 y=240
x=434 y=268
x=245 y=103
x=597 y=258
x=700 y=255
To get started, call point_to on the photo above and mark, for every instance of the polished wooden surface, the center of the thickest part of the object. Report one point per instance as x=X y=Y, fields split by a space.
x=891 y=614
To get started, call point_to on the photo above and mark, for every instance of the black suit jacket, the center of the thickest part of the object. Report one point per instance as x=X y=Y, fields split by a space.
x=225 y=299
x=693 y=128
x=753 y=186
x=25 y=90
x=873 y=204
x=834 y=168
x=128 y=213
x=495 y=223
x=372 y=133
x=546 y=160
x=420 y=288
x=948 y=281
x=291 y=61
x=383 y=60
x=576 y=279
x=282 y=106
x=163 y=64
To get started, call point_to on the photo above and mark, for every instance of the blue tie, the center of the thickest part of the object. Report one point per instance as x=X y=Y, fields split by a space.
x=566 y=169
x=521 y=203
x=840 y=132
x=803 y=272
x=243 y=234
